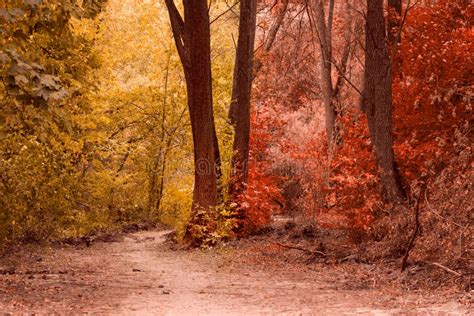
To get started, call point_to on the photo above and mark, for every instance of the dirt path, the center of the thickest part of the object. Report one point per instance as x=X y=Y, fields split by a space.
x=139 y=274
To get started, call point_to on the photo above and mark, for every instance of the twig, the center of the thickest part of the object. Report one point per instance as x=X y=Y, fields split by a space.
x=443 y=268
x=417 y=226
x=229 y=9
x=313 y=252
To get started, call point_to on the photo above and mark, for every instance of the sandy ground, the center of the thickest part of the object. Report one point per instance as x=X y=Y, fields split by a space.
x=139 y=274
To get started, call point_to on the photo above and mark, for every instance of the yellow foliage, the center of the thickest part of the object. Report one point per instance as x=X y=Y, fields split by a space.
x=95 y=130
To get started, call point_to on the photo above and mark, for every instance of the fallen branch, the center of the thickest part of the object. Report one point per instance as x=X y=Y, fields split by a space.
x=443 y=268
x=313 y=252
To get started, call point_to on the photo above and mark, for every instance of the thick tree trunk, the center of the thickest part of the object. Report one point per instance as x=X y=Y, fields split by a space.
x=378 y=101
x=239 y=112
x=192 y=37
x=197 y=39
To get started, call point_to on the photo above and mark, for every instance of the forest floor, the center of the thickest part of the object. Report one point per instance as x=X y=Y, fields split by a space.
x=141 y=273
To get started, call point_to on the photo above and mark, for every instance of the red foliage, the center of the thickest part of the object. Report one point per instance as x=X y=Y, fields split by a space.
x=432 y=107
x=262 y=198
x=432 y=95
x=353 y=172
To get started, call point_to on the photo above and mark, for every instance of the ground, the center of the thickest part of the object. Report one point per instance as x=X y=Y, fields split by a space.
x=140 y=273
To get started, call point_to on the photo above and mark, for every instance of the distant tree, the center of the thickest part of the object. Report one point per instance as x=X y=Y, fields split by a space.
x=378 y=101
x=330 y=92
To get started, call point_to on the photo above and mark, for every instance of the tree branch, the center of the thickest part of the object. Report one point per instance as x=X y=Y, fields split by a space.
x=229 y=9
x=342 y=74
x=177 y=27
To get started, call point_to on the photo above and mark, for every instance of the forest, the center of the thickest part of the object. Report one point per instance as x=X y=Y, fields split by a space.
x=326 y=135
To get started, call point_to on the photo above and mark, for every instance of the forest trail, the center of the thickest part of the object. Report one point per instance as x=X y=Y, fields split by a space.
x=139 y=274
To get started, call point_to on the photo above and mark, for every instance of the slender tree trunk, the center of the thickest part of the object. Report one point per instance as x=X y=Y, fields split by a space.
x=269 y=40
x=324 y=38
x=155 y=192
x=393 y=34
x=239 y=112
x=346 y=54
x=330 y=92
x=393 y=23
x=192 y=37
x=217 y=163
x=378 y=101
x=272 y=33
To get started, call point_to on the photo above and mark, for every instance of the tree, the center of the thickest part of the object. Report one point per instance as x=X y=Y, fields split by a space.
x=46 y=66
x=378 y=101
x=192 y=38
x=239 y=112
x=272 y=33
x=330 y=93
x=263 y=50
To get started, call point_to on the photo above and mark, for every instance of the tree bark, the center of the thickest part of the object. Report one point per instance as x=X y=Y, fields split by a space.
x=239 y=112
x=192 y=37
x=378 y=101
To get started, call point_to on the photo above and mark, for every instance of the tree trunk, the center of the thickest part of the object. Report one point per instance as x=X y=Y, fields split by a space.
x=197 y=38
x=192 y=37
x=239 y=112
x=378 y=101
x=324 y=38
x=272 y=33
x=393 y=23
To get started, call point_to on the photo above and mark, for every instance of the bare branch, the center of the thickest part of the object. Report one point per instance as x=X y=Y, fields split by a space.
x=229 y=9
x=343 y=75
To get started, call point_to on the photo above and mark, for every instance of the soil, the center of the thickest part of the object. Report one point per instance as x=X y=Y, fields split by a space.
x=142 y=274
